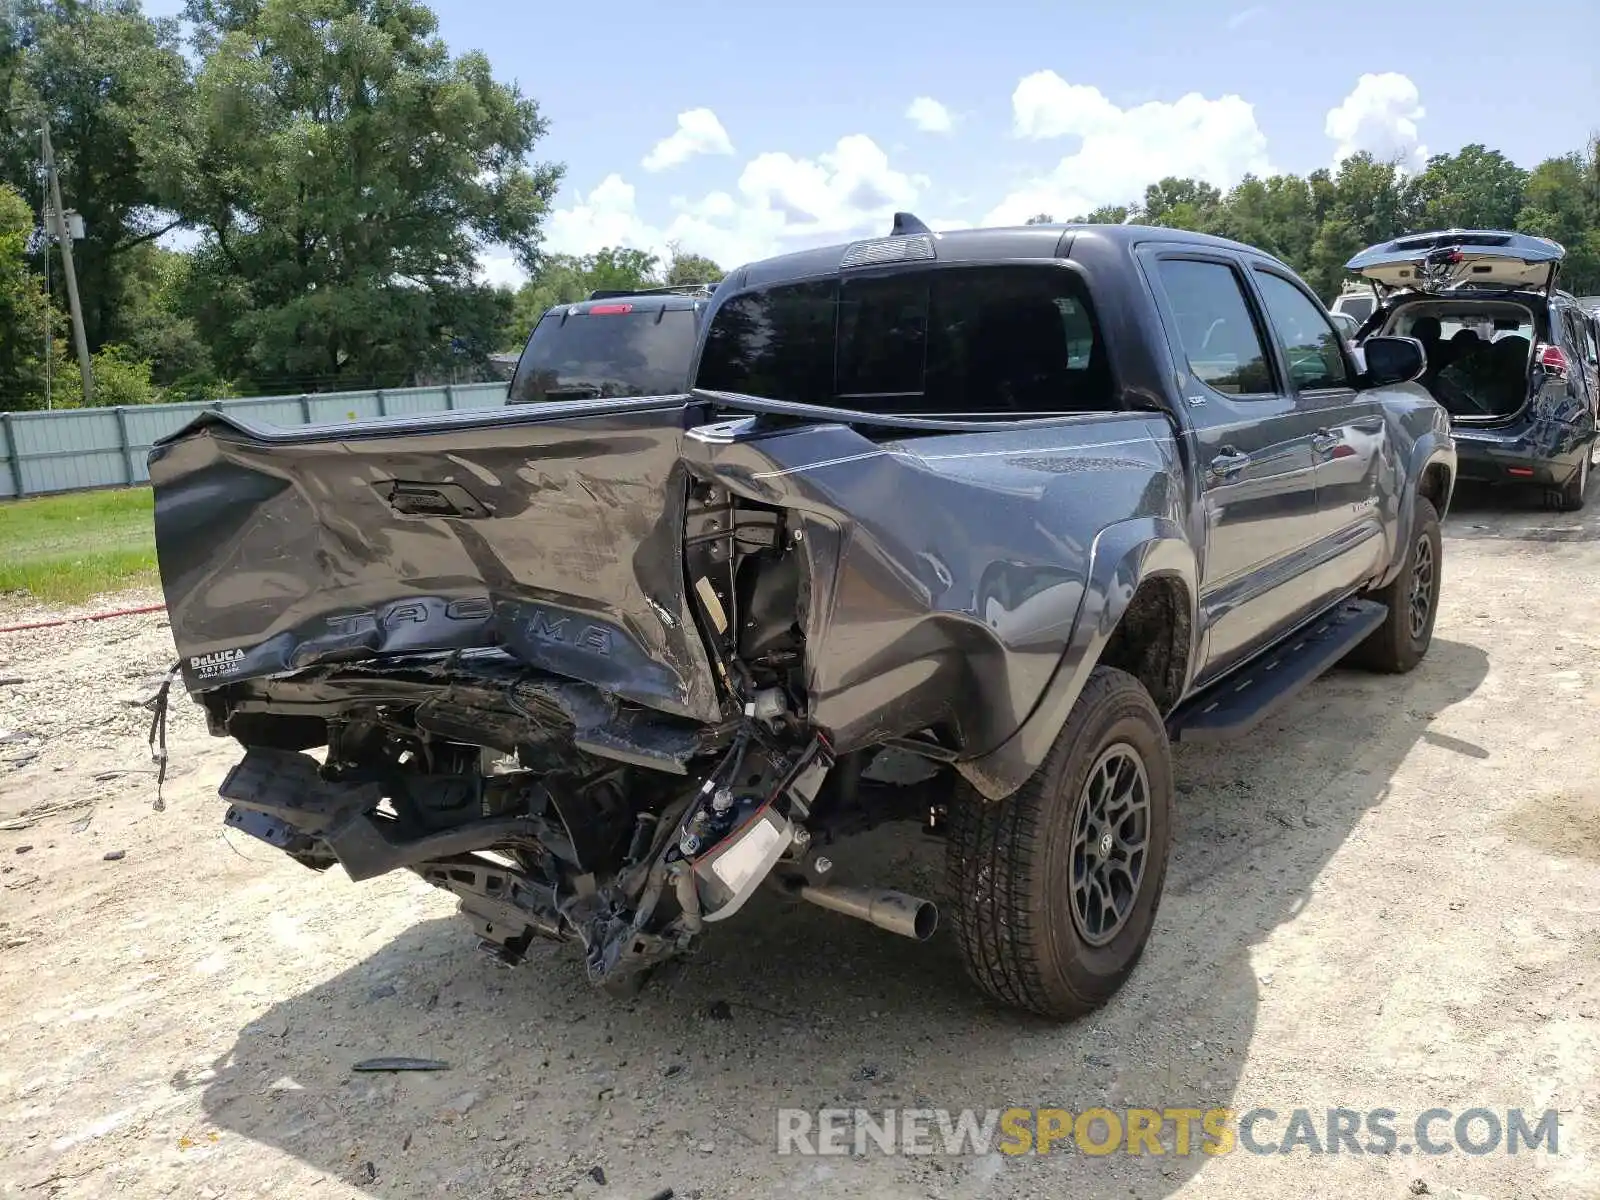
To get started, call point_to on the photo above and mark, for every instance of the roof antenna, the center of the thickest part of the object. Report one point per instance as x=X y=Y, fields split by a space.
x=905 y=223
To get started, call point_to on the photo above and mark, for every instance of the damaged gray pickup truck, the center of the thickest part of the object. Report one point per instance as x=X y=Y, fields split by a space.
x=960 y=529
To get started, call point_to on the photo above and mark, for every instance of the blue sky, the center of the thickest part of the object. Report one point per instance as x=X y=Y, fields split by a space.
x=786 y=125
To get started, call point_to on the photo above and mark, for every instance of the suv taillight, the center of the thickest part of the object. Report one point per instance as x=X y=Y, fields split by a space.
x=1552 y=359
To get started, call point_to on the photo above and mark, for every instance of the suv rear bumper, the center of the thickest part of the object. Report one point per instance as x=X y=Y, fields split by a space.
x=1542 y=453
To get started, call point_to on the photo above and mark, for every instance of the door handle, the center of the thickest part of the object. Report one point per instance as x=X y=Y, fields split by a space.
x=1227 y=463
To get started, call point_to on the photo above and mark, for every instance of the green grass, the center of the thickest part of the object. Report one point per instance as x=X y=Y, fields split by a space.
x=64 y=549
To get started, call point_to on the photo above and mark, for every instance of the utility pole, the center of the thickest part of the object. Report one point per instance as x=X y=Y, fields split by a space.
x=65 y=235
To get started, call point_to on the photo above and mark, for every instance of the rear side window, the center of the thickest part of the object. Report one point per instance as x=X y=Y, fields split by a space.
x=1308 y=341
x=1215 y=329
x=978 y=340
x=1581 y=333
x=776 y=342
x=634 y=353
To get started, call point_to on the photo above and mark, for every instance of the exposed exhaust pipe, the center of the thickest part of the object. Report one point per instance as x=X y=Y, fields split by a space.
x=909 y=916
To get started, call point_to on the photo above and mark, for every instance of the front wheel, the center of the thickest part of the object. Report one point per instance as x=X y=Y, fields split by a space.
x=1412 y=597
x=1055 y=887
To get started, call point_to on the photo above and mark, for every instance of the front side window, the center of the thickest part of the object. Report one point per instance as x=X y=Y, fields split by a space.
x=1308 y=341
x=964 y=340
x=1215 y=329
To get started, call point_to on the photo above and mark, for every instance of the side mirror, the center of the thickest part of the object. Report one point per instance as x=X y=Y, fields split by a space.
x=1393 y=360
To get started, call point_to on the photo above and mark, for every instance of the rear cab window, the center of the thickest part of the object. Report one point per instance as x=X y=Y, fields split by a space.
x=614 y=349
x=973 y=341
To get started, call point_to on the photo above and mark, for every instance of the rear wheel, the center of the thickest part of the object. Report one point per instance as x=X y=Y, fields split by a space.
x=1571 y=497
x=1056 y=887
x=1412 y=598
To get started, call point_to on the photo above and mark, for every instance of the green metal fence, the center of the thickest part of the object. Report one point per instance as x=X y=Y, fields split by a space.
x=79 y=449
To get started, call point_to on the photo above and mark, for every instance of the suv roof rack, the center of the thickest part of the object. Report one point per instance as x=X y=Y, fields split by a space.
x=676 y=289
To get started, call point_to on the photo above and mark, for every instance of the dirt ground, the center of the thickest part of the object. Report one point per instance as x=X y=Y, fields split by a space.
x=1387 y=898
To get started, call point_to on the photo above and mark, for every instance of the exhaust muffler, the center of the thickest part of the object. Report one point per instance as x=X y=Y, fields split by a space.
x=909 y=916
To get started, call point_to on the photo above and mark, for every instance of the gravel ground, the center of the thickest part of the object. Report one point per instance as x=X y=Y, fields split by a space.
x=1386 y=898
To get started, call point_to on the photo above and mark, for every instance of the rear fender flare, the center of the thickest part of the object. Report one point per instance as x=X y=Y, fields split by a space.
x=1124 y=556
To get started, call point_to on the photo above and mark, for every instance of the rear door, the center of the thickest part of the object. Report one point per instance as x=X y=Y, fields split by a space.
x=1591 y=349
x=1347 y=443
x=1580 y=352
x=1251 y=442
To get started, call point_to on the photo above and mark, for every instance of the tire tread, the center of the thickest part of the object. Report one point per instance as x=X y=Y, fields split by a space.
x=1388 y=649
x=994 y=849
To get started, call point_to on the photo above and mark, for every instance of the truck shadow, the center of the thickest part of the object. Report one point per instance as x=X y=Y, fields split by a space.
x=1482 y=513
x=555 y=1087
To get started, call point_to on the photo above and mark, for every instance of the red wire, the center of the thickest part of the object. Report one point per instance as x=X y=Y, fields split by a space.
x=120 y=612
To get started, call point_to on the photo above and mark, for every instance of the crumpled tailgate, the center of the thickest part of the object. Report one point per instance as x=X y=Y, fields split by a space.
x=554 y=533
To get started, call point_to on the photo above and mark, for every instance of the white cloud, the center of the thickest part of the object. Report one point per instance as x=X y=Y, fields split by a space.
x=928 y=115
x=840 y=190
x=698 y=132
x=607 y=216
x=780 y=202
x=1044 y=105
x=499 y=268
x=1380 y=116
x=1121 y=151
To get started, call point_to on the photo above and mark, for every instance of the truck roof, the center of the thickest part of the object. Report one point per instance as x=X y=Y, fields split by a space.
x=669 y=299
x=914 y=242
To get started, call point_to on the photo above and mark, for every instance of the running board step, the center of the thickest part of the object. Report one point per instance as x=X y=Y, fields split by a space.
x=1238 y=703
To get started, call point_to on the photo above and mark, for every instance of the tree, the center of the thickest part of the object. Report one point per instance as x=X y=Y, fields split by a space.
x=1367 y=201
x=1374 y=199
x=1181 y=204
x=565 y=278
x=26 y=314
x=1109 y=214
x=1337 y=242
x=121 y=377
x=115 y=87
x=683 y=269
x=620 y=269
x=1040 y=219
x=1274 y=214
x=1475 y=188
x=1562 y=202
x=345 y=171
x=156 y=324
